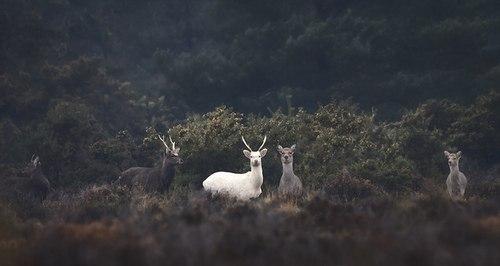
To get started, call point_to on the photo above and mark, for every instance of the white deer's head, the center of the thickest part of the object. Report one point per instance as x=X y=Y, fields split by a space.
x=453 y=158
x=255 y=156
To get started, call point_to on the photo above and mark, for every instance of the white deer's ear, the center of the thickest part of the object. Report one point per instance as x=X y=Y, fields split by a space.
x=176 y=151
x=247 y=153
x=293 y=147
x=263 y=152
x=459 y=154
x=280 y=148
x=446 y=153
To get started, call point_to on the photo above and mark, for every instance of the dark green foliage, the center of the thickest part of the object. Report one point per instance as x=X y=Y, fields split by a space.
x=437 y=126
x=211 y=142
x=345 y=188
x=388 y=54
x=65 y=114
x=334 y=137
x=476 y=131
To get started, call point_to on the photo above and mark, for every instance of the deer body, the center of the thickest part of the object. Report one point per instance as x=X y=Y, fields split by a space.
x=290 y=184
x=456 y=181
x=153 y=178
x=240 y=186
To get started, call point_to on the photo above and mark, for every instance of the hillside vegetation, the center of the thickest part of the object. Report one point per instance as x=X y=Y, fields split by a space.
x=371 y=92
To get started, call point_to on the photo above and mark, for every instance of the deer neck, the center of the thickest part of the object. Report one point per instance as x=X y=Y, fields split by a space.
x=167 y=168
x=287 y=169
x=256 y=175
x=454 y=169
x=37 y=172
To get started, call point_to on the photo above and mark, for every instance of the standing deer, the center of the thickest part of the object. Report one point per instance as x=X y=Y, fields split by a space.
x=456 y=181
x=290 y=184
x=154 y=178
x=37 y=185
x=241 y=186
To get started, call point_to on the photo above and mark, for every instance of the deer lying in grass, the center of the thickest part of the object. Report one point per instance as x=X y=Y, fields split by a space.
x=156 y=178
x=241 y=186
x=456 y=181
x=37 y=185
x=290 y=184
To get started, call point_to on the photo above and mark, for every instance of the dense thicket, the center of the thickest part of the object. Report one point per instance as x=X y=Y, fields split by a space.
x=255 y=55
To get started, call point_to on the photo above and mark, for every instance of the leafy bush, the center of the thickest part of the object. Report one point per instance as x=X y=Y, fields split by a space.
x=210 y=142
x=436 y=126
x=334 y=137
x=477 y=131
x=346 y=188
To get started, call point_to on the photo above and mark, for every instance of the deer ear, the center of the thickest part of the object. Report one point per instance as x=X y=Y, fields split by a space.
x=293 y=147
x=247 y=153
x=263 y=152
x=280 y=148
x=459 y=154
x=176 y=151
x=446 y=153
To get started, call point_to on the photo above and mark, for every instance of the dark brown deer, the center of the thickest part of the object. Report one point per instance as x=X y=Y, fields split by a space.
x=154 y=178
x=36 y=185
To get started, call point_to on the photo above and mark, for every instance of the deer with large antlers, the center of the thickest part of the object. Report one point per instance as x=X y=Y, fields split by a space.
x=154 y=178
x=241 y=186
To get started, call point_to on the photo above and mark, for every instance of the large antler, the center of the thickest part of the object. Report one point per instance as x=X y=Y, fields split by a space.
x=246 y=144
x=173 y=143
x=263 y=142
x=242 y=138
x=162 y=138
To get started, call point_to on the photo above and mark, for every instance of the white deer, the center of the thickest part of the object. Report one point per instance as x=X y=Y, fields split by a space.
x=241 y=186
x=456 y=181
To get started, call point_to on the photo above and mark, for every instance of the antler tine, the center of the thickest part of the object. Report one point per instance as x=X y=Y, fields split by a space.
x=264 y=142
x=162 y=138
x=173 y=143
x=242 y=138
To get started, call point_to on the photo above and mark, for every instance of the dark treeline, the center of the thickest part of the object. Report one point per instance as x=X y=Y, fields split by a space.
x=255 y=55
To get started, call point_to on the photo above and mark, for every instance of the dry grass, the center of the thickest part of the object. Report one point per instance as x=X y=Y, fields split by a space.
x=104 y=225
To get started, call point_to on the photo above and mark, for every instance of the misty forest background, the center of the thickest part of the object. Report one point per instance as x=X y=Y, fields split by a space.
x=372 y=93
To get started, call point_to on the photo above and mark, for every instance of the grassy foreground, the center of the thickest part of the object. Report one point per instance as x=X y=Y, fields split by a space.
x=348 y=223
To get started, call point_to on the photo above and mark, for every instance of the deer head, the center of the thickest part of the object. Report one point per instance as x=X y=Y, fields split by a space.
x=286 y=154
x=255 y=156
x=34 y=165
x=171 y=153
x=453 y=158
